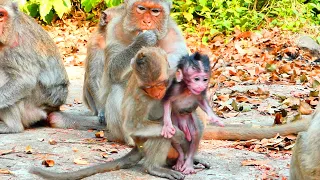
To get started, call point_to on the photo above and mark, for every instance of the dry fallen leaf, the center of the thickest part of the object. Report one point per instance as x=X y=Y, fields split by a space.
x=48 y=163
x=291 y=101
x=28 y=150
x=4 y=152
x=99 y=134
x=305 y=108
x=254 y=162
x=80 y=161
x=104 y=155
x=52 y=142
x=5 y=171
x=113 y=151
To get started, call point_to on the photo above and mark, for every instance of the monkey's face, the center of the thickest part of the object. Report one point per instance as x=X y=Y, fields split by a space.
x=156 y=90
x=197 y=81
x=150 y=66
x=7 y=13
x=148 y=15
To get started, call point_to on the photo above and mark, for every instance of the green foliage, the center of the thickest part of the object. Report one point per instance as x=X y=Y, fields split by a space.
x=45 y=9
x=213 y=16
x=88 y=5
x=209 y=17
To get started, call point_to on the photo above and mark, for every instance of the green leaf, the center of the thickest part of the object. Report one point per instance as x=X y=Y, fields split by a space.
x=48 y=18
x=203 y=3
x=271 y=67
x=61 y=6
x=33 y=10
x=45 y=8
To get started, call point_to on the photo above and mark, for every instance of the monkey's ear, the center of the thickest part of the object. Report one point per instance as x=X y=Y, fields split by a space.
x=103 y=19
x=141 y=58
x=15 y=6
x=179 y=75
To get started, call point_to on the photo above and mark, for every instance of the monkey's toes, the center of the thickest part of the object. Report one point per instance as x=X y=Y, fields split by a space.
x=188 y=171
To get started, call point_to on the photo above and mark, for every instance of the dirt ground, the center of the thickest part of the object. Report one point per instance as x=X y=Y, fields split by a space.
x=72 y=144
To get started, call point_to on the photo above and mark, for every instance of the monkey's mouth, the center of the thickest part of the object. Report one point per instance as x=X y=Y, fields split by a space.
x=195 y=92
x=156 y=91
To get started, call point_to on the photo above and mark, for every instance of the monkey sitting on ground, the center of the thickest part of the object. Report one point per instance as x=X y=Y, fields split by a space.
x=147 y=85
x=95 y=62
x=123 y=41
x=305 y=161
x=33 y=79
x=125 y=37
x=183 y=97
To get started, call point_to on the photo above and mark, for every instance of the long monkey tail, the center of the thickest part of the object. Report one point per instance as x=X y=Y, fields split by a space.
x=127 y=161
x=247 y=133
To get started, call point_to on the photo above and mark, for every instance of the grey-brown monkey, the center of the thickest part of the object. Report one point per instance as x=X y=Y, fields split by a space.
x=305 y=162
x=95 y=61
x=123 y=41
x=125 y=37
x=33 y=79
x=147 y=85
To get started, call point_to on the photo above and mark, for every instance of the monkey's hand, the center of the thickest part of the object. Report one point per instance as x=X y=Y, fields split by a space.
x=147 y=38
x=216 y=120
x=168 y=131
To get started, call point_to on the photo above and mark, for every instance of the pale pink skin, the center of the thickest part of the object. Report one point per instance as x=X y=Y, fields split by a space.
x=197 y=82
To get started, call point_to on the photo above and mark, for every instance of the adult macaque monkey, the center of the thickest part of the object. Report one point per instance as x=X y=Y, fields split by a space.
x=186 y=93
x=95 y=61
x=147 y=85
x=125 y=37
x=33 y=79
x=305 y=162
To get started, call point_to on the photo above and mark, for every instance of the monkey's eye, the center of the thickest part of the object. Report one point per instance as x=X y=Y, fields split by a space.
x=155 y=12
x=141 y=9
x=197 y=79
x=1 y=15
x=205 y=79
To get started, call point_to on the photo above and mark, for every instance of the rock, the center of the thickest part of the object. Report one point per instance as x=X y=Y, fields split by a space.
x=309 y=44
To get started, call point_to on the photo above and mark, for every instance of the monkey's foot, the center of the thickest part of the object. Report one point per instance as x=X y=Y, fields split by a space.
x=217 y=121
x=56 y=120
x=188 y=168
x=168 y=131
x=102 y=118
x=165 y=173
x=179 y=164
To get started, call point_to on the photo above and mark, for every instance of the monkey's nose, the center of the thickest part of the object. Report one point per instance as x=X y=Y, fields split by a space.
x=147 y=22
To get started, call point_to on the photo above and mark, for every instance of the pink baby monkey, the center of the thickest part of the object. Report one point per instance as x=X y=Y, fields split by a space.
x=186 y=93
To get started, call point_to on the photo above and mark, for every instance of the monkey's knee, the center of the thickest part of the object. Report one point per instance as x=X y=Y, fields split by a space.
x=10 y=120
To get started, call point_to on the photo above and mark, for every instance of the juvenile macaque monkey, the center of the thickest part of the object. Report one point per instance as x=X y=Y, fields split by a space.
x=95 y=62
x=147 y=84
x=305 y=161
x=186 y=93
x=33 y=80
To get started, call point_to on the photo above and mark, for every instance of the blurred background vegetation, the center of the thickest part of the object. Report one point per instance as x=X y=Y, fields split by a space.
x=207 y=18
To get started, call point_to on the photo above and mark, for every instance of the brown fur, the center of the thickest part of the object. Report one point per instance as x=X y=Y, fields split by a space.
x=305 y=162
x=121 y=45
x=136 y=105
x=34 y=80
x=95 y=61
